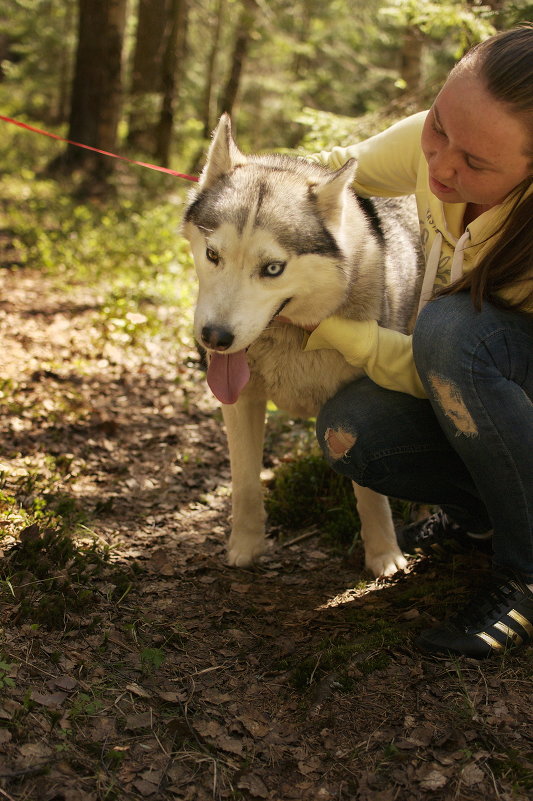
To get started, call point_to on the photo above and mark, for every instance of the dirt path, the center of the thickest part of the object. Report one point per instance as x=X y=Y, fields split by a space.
x=166 y=674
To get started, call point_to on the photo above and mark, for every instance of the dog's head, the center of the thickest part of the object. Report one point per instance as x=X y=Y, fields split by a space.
x=267 y=235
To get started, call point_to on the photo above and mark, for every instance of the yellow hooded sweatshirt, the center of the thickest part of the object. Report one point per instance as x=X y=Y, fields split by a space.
x=392 y=164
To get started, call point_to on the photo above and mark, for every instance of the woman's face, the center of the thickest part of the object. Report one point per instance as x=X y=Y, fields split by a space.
x=475 y=147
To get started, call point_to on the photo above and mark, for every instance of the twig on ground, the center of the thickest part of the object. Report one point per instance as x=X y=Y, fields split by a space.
x=312 y=532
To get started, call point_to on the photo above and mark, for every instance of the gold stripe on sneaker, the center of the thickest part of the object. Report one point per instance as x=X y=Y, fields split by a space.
x=498 y=646
x=511 y=633
x=524 y=622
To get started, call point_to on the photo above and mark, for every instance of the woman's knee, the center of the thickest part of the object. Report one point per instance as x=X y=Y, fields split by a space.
x=362 y=422
x=452 y=341
x=343 y=423
x=336 y=431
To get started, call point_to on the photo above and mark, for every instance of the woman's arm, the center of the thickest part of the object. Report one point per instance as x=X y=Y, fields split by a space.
x=387 y=164
x=385 y=355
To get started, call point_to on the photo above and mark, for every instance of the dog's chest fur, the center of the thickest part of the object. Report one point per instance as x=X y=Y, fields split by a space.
x=297 y=381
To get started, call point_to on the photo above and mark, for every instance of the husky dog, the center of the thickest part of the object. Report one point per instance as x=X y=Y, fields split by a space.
x=272 y=234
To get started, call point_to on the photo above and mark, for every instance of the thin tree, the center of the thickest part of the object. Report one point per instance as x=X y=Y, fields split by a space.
x=411 y=58
x=146 y=69
x=210 y=71
x=240 y=49
x=68 y=25
x=172 y=71
x=97 y=85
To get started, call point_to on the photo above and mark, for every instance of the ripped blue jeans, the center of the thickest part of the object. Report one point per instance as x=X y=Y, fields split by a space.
x=469 y=447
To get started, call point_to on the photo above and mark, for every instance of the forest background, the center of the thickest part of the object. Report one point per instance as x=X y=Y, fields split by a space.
x=153 y=76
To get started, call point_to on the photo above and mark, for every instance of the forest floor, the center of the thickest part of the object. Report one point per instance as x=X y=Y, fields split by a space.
x=135 y=664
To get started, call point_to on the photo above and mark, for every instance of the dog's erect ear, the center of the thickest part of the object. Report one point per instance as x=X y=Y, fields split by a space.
x=329 y=194
x=223 y=155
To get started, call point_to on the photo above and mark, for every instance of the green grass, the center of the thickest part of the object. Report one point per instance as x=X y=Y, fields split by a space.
x=135 y=259
x=51 y=559
x=512 y=763
x=49 y=574
x=338 y=659
x=5 y=679
x=369 y=647
x=307 y=492
x=127 y=245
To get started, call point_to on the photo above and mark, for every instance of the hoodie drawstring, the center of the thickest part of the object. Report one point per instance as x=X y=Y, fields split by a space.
x=458 y=257
x=432 y=265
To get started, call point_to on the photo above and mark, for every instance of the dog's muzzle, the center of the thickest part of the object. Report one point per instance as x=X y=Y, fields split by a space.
x=215 y=337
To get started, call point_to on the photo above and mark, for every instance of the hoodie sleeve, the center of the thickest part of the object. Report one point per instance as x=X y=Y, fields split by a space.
x=385 y=355
x=387 y=164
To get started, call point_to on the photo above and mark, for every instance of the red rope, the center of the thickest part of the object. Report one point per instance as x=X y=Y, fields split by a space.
x=102 y=152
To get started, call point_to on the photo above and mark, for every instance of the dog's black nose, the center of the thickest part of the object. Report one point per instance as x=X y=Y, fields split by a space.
x=216 y=337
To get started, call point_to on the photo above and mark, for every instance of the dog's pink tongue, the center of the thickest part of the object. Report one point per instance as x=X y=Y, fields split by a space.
x=227 y=375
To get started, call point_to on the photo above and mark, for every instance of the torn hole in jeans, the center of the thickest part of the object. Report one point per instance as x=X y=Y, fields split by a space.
x=339 y=442
x=448 y=396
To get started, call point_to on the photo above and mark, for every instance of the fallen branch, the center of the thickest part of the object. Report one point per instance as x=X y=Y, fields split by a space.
x=312 y=532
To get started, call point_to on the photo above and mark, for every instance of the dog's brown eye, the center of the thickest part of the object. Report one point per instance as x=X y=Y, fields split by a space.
x=273 y=269
x=212 y=255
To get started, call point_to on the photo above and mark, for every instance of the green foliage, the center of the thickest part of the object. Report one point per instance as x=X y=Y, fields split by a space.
x=130 y=248
x=322 y=129
x=85 y=705
x=47 y=572
x=28 y=498
x=308 y=492
x=5 y=670
x=511 y=762
x=41 y=38
x=460 y=25
x=152 y=659
x=341 y=57
x=368 y=650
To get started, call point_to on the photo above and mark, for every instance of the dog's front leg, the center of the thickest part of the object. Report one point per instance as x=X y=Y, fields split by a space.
x=245 y=425
x=382 y=554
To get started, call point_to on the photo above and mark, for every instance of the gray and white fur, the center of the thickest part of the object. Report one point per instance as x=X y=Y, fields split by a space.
x=277 y=235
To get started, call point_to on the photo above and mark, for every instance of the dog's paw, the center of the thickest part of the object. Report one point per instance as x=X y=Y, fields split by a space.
x=244 y=554
x=385 y=564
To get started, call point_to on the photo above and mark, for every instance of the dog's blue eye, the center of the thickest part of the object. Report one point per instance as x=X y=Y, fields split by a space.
x=212 y=255
x=273 y=269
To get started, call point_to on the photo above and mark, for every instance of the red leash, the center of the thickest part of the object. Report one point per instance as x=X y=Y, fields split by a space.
x=96 y=150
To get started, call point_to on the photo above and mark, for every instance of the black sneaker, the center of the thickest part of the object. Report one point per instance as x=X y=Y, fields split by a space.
x=439 y=535
x=498 y=620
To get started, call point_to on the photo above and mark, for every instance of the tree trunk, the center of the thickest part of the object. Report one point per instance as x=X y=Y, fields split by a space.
x=172 y=70
x=411 y=59
x=240 y=49
x=149 y=46
x=61 y=111
x=147 y=66
x=209 y=91
x=4 y=51
x=97 y=84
